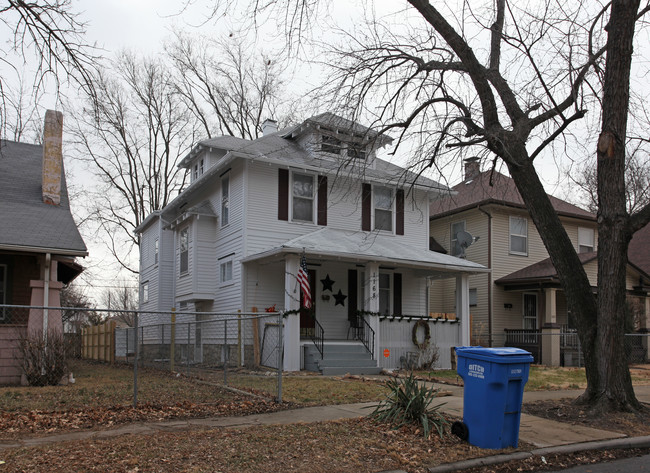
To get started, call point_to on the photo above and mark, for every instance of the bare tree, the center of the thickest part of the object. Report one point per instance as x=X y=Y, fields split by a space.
x=50 y=33
x=637 y=182
x=133 y=134
x=507 y=81
x=74 y=299
x=229 y=89
x=123 y=297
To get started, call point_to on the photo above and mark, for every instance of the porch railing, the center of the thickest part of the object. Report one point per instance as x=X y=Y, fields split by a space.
x=367 y=336
x=318 y=337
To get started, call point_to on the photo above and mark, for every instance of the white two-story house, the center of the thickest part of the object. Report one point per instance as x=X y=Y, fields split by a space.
x=233 y=239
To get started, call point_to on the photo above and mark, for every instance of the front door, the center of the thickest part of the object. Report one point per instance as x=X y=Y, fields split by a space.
x=530 y=311
x=308 y=316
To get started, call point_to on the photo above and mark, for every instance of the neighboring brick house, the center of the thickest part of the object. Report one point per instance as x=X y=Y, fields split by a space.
x=520 y=299
x=232 y=240
x=39 y=239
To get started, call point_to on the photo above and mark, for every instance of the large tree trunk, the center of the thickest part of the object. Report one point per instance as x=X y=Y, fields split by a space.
x=575 y=283
x=614 y=389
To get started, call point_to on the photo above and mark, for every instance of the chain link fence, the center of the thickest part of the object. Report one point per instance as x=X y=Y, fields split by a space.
x=235 y=350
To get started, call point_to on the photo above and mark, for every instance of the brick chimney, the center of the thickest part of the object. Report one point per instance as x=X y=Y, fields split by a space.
x=52 y=157
x=269 y=126
x=472 y=168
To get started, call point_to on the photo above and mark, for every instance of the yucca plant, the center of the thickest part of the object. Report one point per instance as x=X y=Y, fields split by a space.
x=411 y=402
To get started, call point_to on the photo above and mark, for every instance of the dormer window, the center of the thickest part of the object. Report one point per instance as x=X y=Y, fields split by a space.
x=329 y=144
x=198 y=170
x=357 y=152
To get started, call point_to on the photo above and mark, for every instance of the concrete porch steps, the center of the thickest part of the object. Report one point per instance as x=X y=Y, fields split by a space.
x=341 y=357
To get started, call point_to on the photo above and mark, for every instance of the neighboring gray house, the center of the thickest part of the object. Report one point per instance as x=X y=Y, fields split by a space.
x=39 y=239
x=232 y=240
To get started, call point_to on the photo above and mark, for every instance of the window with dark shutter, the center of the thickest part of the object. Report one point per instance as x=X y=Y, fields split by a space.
x=322 y=200
x=399 y=212
x=366 y=202
x=283 y=194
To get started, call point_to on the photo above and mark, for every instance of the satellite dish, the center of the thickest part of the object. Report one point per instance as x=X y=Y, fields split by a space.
x=464 y=239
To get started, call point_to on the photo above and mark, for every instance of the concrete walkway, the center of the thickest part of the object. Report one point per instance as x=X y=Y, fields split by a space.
x=534 y=430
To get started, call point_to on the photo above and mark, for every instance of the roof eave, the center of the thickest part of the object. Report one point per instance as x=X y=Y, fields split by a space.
x=43 y=250
x=375 y=259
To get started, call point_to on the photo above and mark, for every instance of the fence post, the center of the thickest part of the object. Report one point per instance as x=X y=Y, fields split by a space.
x=135 y=362
x=239 y=345
x=225 y=352
x=172 y=341
x=187 y=358
x=280 y=350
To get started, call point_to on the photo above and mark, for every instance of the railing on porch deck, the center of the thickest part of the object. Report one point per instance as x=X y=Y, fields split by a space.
x=318 y=337
x=527 y=339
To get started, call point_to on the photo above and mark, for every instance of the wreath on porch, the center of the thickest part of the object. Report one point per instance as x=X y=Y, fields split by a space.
x=427 y=334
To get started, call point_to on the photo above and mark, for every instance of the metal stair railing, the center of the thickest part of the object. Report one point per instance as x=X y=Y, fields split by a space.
x=318 y=337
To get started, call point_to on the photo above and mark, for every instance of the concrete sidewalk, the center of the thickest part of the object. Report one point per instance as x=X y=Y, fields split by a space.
x=534 y=430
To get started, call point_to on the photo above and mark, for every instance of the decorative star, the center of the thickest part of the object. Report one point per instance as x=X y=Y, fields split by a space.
x=327 y=283
x=340 y=298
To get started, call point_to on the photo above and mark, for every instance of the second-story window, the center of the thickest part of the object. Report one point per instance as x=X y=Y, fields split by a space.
x=225 y=200
x=184 y=250
x=456 y=228
x=586 y=237
x=155 y=251
x=225 y=270
x=145 y=292
x=303 y=197
x=383 y=203
x=519 y=236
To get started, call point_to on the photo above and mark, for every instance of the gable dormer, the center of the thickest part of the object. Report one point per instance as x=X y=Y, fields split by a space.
x=333 y=137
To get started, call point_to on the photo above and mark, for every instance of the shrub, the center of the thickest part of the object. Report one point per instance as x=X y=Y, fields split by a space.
x=43 y=360
x=410 y=402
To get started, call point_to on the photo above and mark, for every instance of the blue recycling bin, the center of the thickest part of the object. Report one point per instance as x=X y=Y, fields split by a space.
x=494 y=380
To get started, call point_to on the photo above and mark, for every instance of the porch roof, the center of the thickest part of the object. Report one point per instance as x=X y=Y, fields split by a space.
x=539 y=273
x=369 y=247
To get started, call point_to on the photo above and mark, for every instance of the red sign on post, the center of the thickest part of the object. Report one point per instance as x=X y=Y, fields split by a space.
x=386 y=353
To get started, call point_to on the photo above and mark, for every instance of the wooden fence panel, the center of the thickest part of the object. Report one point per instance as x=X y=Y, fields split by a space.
x=98 y=342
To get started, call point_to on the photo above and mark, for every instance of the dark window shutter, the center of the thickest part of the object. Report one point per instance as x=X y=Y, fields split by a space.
x=366 y=201
x=397 y=294
x=283 y=194
x=322 y=200
x=399 y=212
x=352 y=294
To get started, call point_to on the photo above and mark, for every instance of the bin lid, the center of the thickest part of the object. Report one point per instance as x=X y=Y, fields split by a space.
x=499 y=354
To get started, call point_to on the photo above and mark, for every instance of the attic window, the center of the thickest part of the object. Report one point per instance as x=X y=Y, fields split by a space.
x=198 y=169
x=357 y=152
x=329 y=144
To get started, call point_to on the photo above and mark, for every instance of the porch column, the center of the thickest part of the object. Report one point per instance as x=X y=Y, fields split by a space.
x=371 y=301
x=550 y=330
x=291 y=332
x=38 y=298
x=462 y=308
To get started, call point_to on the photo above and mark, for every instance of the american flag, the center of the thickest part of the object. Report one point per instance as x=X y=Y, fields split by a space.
x=303 y=280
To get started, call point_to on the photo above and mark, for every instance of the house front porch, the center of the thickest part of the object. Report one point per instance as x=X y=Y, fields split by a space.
x=362 y=288
x=535 y=312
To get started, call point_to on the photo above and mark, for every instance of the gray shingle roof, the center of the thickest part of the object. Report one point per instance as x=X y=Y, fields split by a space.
x=281 y=148
x=27 y=222
x=363 y=246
